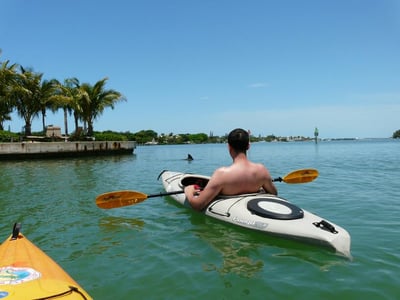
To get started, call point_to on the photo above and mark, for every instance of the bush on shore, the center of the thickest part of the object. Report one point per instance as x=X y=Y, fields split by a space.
x=7 y=136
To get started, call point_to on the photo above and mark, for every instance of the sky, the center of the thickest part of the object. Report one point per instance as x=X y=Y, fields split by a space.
x=209 y=66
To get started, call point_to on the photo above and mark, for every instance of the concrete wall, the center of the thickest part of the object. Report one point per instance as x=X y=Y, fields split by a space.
x=31 y=149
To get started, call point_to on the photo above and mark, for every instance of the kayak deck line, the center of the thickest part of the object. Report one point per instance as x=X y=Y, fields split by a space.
x=72 y=289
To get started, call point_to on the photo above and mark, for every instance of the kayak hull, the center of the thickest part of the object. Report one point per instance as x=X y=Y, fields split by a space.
x=267 y=213
x=26 y=272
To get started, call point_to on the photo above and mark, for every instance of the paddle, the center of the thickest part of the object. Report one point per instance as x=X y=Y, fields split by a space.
x=299 y=176
x=126 y=197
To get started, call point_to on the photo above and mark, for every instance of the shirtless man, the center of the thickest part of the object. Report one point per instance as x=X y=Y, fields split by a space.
x=242 y=177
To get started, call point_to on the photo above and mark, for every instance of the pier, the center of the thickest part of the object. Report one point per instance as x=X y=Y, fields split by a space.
x=28 y=150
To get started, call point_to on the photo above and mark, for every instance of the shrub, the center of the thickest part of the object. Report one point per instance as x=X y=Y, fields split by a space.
x=110 y=136
x=7 y=136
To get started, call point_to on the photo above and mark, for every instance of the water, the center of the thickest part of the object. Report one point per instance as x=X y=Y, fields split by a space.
x=158 y=250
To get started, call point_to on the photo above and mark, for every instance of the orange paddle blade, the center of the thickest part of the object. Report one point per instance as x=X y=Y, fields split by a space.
x=301 y=176
x=119 y=199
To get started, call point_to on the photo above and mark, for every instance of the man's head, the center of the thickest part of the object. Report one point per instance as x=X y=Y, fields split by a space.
x=238 y=139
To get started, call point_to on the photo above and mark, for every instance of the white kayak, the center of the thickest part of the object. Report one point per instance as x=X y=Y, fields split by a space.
x=263 y=212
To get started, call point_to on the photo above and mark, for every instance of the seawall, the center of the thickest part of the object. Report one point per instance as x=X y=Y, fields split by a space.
x=26 y=150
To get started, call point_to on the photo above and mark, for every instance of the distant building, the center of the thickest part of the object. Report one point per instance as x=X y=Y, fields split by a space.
x=53 y=131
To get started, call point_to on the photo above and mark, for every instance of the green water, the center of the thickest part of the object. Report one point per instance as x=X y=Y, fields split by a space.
x=159 y=250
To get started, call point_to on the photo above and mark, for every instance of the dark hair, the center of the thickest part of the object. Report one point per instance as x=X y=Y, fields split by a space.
x=238 y=139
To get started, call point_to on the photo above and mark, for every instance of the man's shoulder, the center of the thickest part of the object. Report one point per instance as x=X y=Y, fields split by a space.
x=222 y=169
x=221 y=176
x=258 y=165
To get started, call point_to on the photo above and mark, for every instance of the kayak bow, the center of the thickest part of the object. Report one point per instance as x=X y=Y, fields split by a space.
x=26 y=272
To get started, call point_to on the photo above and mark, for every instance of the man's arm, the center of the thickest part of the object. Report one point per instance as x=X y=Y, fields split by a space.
x=269 y=186
x=200 y=199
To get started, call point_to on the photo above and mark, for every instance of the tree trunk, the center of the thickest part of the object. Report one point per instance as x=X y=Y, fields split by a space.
x=28 y=129
x=76 y=122
x=90 y=129
x=44 y=121
x=66 y=121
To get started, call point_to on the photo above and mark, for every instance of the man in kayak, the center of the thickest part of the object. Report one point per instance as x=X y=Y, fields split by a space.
x=242 y=177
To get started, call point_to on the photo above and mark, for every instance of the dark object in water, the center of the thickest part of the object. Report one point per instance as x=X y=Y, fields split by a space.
x=189 y=157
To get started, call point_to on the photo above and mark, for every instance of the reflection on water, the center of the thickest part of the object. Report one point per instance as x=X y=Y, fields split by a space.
x=112 y=229
x=110 y=223
x=238 y=245
x=234 y=248
x=323 y=262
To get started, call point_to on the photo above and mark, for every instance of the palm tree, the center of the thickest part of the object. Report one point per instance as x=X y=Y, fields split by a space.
x=94 y=100
x=26 y=96
x=5 y=111
x=49 y=99
x=74 y=99
x=7 y=79
x=67 y=97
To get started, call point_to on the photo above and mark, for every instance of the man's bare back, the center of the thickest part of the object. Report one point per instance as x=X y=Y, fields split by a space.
x=242 y=177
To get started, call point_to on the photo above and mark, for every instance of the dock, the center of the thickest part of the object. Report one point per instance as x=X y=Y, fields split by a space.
x=30 y=150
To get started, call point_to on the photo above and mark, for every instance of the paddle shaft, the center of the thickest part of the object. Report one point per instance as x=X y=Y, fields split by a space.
x=165 y=194
x=182 y=191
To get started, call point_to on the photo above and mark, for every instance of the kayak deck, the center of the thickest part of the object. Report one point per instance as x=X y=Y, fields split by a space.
x=26 y=272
